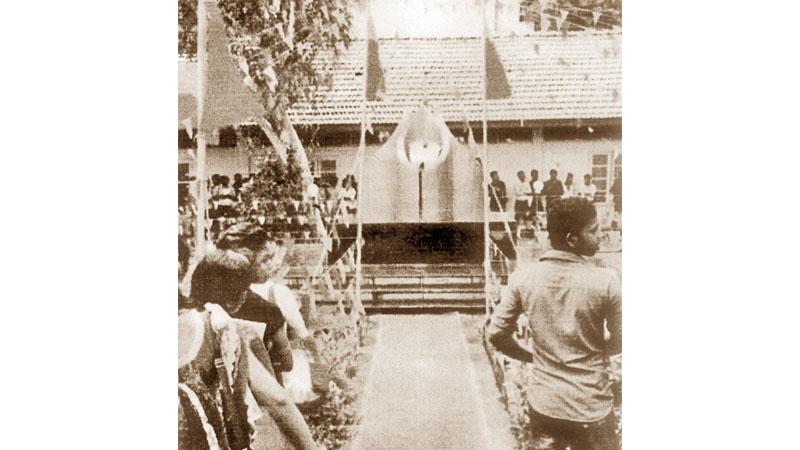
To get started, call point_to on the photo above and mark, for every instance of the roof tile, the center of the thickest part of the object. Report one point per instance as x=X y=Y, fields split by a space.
x=552 y=76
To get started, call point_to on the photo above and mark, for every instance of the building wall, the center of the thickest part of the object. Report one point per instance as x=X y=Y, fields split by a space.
x=565 y=156
x=507 y=159
x=573 y=156
x=221 y=160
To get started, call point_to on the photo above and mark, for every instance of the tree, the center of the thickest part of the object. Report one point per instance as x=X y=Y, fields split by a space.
x=280 y=41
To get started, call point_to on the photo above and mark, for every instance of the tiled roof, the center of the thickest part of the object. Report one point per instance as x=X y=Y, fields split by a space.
x=552 y=76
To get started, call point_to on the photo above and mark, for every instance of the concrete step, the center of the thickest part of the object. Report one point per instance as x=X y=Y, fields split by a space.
x=442 y=295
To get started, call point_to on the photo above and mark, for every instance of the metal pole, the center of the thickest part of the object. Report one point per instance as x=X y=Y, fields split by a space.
x=485 y=166
x=200 y=168
x=419 y=175
x=361 y=150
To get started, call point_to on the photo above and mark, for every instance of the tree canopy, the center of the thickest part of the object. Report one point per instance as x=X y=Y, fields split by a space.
x=279 y=39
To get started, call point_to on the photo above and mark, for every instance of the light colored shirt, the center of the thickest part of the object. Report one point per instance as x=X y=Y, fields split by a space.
x=522 y=191
x=287 y=302
x=312 y=193
x=586 y=191
x=568 y=300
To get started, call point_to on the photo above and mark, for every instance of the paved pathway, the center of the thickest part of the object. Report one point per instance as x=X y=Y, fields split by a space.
x=426 y=392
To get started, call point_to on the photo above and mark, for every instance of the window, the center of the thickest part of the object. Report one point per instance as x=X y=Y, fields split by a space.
x=327 y=171
x=600 y=175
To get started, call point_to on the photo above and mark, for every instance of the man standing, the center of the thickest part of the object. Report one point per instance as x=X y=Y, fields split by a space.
x=536 y=198
x=522 y=194
x=553 y=188
x=588 y=189
x=497 y=193
x=569 y=301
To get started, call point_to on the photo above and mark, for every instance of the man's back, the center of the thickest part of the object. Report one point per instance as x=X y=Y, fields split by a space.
x=567 y=299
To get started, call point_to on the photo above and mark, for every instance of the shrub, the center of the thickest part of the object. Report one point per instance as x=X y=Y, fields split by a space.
x=338 y=342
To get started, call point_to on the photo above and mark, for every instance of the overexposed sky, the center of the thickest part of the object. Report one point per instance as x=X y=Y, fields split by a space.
x=424 y=18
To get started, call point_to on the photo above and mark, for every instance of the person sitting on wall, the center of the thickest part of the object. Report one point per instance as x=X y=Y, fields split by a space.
x=569 y=300
x=497 y=193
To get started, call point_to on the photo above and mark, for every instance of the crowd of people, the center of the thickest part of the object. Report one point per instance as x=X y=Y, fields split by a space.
x=328 y=201
x=232 y=372
x=238 y=329
x=244 y=346
x=531 y=196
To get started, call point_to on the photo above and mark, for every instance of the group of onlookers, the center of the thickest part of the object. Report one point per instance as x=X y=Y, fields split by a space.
x=235 y=357
x=224 y=196
x=334 y=200
x=531 y=196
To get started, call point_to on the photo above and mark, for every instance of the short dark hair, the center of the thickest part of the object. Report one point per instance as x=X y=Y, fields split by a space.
x=553 y=172
x=220 y=277
x=567 y=215
x=247 y=235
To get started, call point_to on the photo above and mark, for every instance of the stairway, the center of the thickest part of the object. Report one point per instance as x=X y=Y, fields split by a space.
x=422 y=286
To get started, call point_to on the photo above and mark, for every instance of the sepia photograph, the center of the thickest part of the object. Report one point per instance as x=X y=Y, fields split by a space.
x=399 y=224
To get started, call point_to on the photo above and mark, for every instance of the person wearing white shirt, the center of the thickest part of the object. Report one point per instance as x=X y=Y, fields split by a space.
x=569 y=186
x=588 y=189
x=537 y=186
x=522 y=196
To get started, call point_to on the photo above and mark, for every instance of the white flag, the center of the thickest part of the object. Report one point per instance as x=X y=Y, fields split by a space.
x=595 y=17
x=187 y=123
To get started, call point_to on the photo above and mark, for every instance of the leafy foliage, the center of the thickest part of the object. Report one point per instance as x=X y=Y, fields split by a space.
x=338 y=344
x=580 y=13
x=275 y=186
x=280 y=40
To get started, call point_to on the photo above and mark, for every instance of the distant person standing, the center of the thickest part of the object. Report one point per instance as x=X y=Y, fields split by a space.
x=238 y=182
x=616 y=192
x=522 y=195
x=588 y=189
x=553 y=188
x=225 y=198
x=347 y=200
x=536 y=189
x=569 y=301
x=497 y=193
x=312 y=193
x=569 y=186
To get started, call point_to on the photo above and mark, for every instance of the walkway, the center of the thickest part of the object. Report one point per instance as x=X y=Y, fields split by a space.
x=426 y=392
